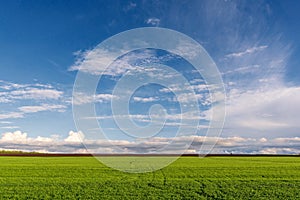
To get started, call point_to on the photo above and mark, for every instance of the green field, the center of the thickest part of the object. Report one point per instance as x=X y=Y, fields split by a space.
x=187 y=178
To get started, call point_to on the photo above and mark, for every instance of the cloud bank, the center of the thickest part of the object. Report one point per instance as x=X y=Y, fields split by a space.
x=75 y=143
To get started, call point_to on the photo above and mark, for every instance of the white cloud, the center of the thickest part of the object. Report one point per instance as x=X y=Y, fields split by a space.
x=172 y=117
x=43 y=139
x=153 y=21
x=29 y=98
x=197 y=81
x=104 y=97
x=262 y=140
x=10 y=86
x=267 y=111
x=73 y=144
x=293 y=140
x=93 y=61
x=201 y=92
x=247 y=51
x=259 y=103
x=11 y=115
x=145 y=99
x=81 y=98
x=76 y=137
x=279 y=151
x=36 y=93
x=97 y=60
x=9 y=127
x=200 y=87
x=5 y=122
x=32 y=109
x=15 y=137
x=231 y=83
x=172 y=88
x=187 y=49
x=243 y=70
x=4 y=99
x=186 y=97
x=19 y=140
x=43 y=107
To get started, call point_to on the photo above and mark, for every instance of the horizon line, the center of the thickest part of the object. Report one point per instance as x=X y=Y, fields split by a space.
x=37 y=154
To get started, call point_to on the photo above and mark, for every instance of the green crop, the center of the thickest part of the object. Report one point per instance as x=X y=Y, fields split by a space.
x=187 y=178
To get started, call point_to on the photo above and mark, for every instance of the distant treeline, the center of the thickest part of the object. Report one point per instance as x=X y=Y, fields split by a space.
x=16 y=152
x=22 y=153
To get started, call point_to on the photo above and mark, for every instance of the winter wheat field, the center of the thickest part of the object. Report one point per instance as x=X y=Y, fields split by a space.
x=187 y=178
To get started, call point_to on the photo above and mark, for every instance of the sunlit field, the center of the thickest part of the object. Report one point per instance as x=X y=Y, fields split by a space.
x=187 y=178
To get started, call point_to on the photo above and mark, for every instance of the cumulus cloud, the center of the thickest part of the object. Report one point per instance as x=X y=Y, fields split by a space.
x=16 y=136
x=75 y=137
x=19 y=140
x=73 y=143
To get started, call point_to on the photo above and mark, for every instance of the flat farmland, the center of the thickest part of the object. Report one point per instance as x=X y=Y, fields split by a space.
x=187 y=178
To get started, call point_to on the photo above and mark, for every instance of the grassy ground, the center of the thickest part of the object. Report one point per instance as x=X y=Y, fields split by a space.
x=187 y=178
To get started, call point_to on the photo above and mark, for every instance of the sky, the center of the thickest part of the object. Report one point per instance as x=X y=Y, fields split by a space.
x=255 y=46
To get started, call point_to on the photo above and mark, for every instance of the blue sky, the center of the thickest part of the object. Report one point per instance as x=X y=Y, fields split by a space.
x=256 y=47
